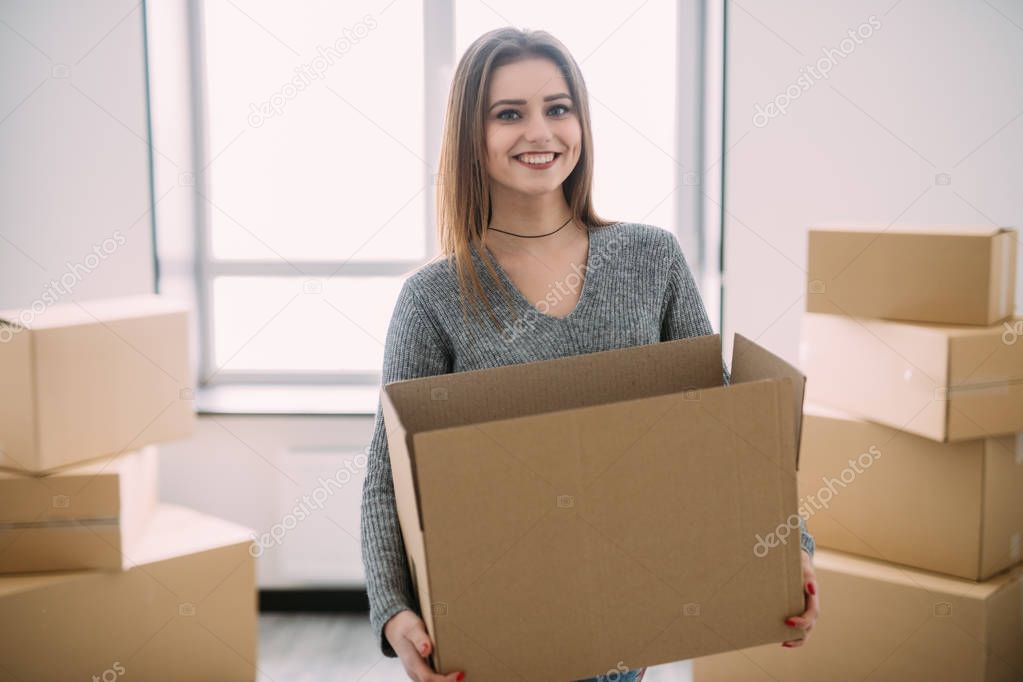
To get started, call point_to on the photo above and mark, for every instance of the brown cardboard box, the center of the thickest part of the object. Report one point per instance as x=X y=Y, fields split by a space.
x=947 y=383
x=85 y=516
x=954 y=274
x=185 y=611
x=885 y=623
x=954 y=508
x=84 y=380
x=565 y=517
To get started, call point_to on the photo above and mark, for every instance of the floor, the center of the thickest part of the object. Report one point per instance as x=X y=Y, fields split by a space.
x=324 y=648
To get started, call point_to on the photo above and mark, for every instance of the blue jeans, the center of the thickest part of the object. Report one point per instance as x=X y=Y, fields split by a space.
x=616 y=676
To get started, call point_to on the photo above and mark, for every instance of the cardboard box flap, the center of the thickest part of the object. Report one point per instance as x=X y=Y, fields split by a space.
x=19 y=432
x=750 y=362
x=1002 y=512
x=811 y=408
x=92 y=311
x=988 y=355
x=26 y=582
x=833 y=560
x=93 y=491
x=175 y=531
x=509 y=391
x=403 y=470
x=1002 y=285
x=911 y=228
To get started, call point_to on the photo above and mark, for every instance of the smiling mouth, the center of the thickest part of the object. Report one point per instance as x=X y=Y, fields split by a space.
x=537 y=160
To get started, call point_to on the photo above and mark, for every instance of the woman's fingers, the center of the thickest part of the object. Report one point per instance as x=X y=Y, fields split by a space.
x=806 y=620
x=795 y=643
x=418 y=670
x=813 y=610
x=413 y=646
x=416 y=634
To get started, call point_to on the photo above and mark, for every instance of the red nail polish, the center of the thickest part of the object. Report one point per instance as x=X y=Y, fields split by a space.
x=811 y=588
x=791 y=623
x=461 y=676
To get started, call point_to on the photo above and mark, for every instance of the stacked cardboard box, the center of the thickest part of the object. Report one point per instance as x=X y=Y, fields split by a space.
x=912 y=460
x=884 y=622
x=97 y=578
x=84 y=516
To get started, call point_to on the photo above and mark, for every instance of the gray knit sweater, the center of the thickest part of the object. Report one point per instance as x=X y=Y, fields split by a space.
x=637 y=289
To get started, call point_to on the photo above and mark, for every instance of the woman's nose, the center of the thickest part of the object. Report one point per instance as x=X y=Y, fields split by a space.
x=537 y=130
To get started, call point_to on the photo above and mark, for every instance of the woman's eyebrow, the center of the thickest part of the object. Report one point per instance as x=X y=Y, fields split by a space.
x=548 y=98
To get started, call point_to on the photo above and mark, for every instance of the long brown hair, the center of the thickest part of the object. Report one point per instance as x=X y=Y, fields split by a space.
x=464 y=206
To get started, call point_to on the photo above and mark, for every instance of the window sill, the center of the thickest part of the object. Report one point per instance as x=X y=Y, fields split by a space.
x=288 y=400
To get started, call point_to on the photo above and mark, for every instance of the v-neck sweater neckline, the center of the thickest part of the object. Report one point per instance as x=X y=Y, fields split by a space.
x=586 y=295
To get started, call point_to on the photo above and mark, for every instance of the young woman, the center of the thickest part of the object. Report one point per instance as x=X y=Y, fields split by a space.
x=542 y=274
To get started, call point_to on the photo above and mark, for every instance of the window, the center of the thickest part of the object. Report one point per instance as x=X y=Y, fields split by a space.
x=316 y=184
x=321 y=134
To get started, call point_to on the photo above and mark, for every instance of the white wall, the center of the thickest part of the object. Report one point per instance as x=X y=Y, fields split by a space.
x=75 y=199
x=936 y=88
x=295 y=481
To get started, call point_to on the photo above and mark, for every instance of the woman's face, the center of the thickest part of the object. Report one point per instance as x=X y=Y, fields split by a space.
x=530 y=110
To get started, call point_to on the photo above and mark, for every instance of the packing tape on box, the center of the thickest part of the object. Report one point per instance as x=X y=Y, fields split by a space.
x=1019 y=448
x=978 y=389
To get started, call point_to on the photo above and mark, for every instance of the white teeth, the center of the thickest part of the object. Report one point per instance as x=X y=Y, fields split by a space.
x=538 y=159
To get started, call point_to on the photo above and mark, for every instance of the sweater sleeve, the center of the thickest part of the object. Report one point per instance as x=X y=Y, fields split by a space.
x=683 y=315
x=413 y=348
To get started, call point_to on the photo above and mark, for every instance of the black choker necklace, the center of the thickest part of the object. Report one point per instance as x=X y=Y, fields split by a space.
x=531 y=236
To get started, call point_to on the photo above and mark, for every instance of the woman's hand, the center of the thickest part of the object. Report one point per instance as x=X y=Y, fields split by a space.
x=407 y=634
x=805 y=621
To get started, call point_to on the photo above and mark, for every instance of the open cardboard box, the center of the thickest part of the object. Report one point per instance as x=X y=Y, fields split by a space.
x=565 y=517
